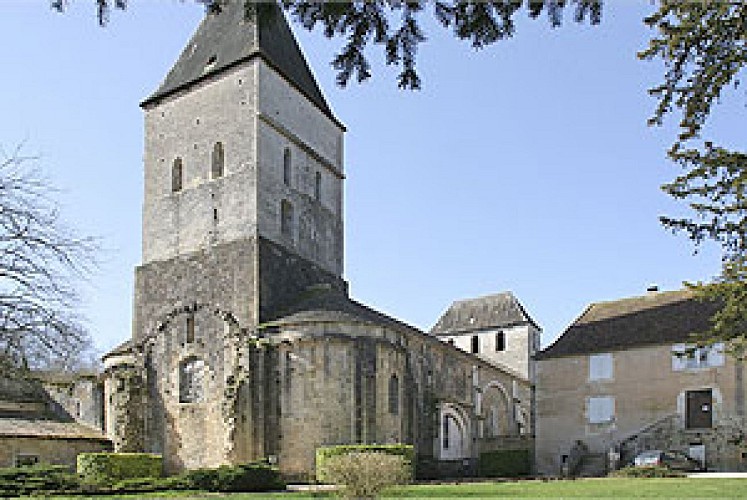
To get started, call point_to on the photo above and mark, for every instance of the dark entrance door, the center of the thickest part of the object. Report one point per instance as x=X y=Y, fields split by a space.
x=699 y=409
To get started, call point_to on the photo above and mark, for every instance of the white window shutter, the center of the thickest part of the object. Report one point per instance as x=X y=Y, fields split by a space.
x=679 y=358
x=716 y=354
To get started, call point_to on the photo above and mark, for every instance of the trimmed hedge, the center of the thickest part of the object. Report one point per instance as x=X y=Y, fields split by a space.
x=38 y=479
x=324 y=453
x=113 y=467
x=504 y=463
x=256 y=476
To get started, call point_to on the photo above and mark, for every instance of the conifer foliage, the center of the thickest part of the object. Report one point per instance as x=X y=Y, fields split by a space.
x=704 y=48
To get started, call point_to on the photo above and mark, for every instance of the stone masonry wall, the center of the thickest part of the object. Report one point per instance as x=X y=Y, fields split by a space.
x=222 y=276
x=187 y=126
x=52 y=451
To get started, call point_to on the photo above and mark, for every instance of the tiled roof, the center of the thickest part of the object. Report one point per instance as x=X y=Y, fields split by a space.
x=657 y=318
x=39 y=428
x=228 y=38
x=326 y=304
x=500 y=310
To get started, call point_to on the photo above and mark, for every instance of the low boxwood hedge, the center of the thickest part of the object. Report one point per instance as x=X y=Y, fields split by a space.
x=324 y=453
x=257 y=476
x=113 y=467
x=38 y=479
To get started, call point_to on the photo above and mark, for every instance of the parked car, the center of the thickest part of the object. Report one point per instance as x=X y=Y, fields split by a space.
x=675 y=460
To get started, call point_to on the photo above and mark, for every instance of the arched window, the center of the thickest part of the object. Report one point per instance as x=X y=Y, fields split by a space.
x=318 y=186
x=191 y=380
x=218 y=161
x=286 y=218
x=394 y=395
x=176 y=175
x=287 y=167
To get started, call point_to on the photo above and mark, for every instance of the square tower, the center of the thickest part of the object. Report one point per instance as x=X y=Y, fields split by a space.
x=242 y=152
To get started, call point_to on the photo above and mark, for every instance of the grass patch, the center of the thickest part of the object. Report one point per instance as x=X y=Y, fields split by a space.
x=582 y=488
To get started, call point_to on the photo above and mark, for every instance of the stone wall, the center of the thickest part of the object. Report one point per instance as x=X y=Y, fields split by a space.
x=187 y=126
x=223 y=277
x=77 y=398
x=335 y=380
x=289 y=121
x=645 y=387
x=54 y=451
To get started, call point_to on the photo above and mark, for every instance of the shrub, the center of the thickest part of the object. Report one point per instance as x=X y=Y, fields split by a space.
x=202 y=479
x=504 y=463
x=646 y=471
x=146 y=484
x=366 y=474
x=37 y=479
x=246 y=477
x=113 y=467
x=325 y=453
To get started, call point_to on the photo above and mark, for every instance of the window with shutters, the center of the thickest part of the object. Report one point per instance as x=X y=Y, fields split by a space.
x=600 y=366
x=693 y=357
x=600 y=409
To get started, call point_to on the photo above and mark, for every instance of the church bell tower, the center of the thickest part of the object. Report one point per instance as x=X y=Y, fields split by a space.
x=242 y=212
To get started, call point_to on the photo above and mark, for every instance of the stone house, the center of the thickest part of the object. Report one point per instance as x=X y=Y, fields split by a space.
x=50 y=418
x=245 y=342
x=625 y=377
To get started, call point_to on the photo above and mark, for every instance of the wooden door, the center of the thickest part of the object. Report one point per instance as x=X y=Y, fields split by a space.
x=699 y=411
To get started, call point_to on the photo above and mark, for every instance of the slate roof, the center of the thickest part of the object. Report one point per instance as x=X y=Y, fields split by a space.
x=39 y=428
x=228 y=38
x=657 y=318
x=500 y=310
x=326 y=304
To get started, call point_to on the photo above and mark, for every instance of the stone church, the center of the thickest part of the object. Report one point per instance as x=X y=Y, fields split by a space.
x=245 y=342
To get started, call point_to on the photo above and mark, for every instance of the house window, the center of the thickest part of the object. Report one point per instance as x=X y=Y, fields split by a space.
x=475 y=344
x=190 y=337
x=218 y=161
x=394 y=395
x=286 y=218
x=318 y=186
x=191 y=380
x=26 y=460
x=176 y=175
x=692 y=357
x=500 y=341
x=601 y=409
x=287 y=167
x=600 y=366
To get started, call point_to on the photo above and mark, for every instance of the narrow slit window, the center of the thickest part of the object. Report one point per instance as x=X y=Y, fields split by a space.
x=446 y=432
x=287 y=167
x=190 y=329
x=176 y=175
x=218 y=161
x=318 y=186
x=394 y=395
x=475 y=344
x=286 y=218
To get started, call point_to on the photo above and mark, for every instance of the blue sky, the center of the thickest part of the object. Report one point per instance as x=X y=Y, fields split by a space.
x=526 y=166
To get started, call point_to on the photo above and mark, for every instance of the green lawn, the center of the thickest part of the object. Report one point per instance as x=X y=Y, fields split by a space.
x=588 y=488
